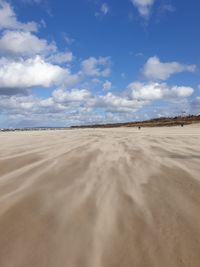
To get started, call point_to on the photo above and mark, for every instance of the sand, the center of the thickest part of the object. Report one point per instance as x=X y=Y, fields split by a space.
x=100 y=198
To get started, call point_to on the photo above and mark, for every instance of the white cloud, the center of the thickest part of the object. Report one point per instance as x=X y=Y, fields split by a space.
x=114 y=103
x=17 y=104
x=157 y=91
x=29 y=61
x=167 y=8
x=68 y=40
x=75 y=95
x=33 y=111
x=96 y=67
x=29 y=73
x=79 y=106
x=21 y=43
x=143 y=6
x=103 y=11
x=154 y=69
x=182 y=91
x=25 y=44
x=105 y=8
x=107 y=85
x=8 y=19
x=22 y=110
x=149 y=92
x=61 y=57
x=32 y=1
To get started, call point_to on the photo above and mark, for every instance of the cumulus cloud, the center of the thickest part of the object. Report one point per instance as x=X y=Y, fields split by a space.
x=75 y=95
x=143 y=6
x=154 y=69
x=114 y=103
x=28 y=61
x=21 y=43
x=79 y=106
x=157 y=91
x=60 y=101
x=17 y=104
x=96 y=66
x=63 y=107
x=107 y=85
x=182 y=91
x=33 y=111
x=29 y=73
x=8 y=19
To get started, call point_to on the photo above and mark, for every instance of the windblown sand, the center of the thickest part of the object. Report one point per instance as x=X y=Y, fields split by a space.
x=100 y=198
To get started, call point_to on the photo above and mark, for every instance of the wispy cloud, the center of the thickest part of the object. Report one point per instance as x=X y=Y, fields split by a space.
x=167 y=8
x=68 y=39
x=143 y=7
x=103 y=10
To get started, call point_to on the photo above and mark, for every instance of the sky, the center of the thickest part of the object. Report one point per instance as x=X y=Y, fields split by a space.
x=77 y=62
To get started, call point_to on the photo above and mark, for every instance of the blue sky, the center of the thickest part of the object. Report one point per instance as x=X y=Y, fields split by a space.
x=75 y=62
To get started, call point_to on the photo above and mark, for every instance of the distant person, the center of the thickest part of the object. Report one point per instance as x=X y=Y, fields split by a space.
x=182 y=125
x=139 y=128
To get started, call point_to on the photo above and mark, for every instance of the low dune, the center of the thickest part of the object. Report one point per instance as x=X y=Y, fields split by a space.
x=100 y=198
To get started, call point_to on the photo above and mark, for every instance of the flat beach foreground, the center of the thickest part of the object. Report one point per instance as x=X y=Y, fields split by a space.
x=100 y=198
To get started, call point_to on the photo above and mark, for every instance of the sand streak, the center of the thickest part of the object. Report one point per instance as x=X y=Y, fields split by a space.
x=100 y=198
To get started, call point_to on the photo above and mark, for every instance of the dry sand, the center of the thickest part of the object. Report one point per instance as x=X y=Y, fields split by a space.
x=100 y=198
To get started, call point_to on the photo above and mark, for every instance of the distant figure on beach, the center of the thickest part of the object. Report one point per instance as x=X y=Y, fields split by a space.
x=139 y=128
x=182 y=125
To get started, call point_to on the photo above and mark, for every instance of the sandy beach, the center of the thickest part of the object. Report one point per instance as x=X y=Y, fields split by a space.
x=100 y=198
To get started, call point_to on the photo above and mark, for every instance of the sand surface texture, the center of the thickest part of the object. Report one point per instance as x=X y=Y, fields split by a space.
x=100 y=198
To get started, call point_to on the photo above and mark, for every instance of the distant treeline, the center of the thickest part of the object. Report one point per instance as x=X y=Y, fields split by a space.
x=158 y=122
